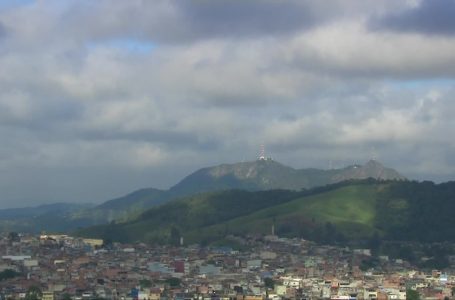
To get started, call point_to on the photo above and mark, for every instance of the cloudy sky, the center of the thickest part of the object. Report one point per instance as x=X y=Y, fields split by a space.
x=99 y=98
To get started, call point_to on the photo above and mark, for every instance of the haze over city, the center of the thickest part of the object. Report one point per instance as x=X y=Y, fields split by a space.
x=99 y=98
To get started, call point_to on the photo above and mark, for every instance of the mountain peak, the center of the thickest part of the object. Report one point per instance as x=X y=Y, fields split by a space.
x=371 y=169
x=373 y=163
x=267 y=174
x=260 y=174
x=244 y=169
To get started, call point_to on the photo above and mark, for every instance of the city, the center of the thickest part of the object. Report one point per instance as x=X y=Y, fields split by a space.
x=268 y=267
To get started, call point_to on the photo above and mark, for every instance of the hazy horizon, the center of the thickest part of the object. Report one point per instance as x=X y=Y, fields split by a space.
x=165 y=187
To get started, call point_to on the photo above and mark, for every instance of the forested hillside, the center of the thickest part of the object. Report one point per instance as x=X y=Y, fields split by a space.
x=353 y=210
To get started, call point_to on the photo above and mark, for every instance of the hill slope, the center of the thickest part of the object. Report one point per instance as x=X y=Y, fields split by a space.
x=257 y=175
x=269 y=174
x=44 y=217
x=350 y=210
x=124 y=208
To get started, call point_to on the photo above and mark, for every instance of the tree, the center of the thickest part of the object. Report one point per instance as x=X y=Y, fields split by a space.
x=66 y=296
x=173 y=282
x=369 y=263
x=33 y=293
x=269 y=283
x=7 y=274
x=412 y=295
x=175 y=236
x=13 y=237
x=107 y=243
x=145 y=283
x=374 y=243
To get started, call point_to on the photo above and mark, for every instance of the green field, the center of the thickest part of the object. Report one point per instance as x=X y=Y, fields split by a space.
x=351 y=209
x=212 y=216
x=347 y=211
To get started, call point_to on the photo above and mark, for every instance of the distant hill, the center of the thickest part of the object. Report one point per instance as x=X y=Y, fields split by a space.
x=269 y=174
x=355 y=210
x=14 y=213
x=256 y=175
x=54 y=216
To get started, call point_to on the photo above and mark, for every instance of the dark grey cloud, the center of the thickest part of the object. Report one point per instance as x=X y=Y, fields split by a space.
x=249 y=19
x=429 y=17
x=193 y=20
x=83 y=117
x=170 y=140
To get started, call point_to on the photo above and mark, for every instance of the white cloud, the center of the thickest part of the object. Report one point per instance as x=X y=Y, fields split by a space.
x=349 y=49
x=325 y=89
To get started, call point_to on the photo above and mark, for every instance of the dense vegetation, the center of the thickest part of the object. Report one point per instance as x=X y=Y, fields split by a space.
x=166 y=223
x=370 y=211
x=49 y=217
x=250 y=176
x=8 y=274
x=417 y=211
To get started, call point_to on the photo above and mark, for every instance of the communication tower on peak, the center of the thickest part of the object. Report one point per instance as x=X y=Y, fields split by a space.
x=374 y=154
x=262 y=152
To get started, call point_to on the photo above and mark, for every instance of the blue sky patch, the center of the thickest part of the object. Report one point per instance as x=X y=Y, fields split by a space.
x=15 y=3
x=424 y=83
x=126 y=44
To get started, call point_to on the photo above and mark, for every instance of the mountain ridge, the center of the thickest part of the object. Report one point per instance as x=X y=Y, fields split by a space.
x=266 y=174
x=350 y=210
x=258 y=175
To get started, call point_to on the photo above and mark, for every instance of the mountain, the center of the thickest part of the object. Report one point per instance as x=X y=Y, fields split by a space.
x=372 y=169
x=354 y=210
x=54 y=216
x=256 y=175
x=140 y=198
x=262 y=174
x=26 y=212
x=269 y=174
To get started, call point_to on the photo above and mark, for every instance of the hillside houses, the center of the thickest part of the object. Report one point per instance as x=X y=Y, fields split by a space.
x=273 y=268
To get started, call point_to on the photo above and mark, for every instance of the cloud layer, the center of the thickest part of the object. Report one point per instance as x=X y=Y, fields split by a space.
x=434 y=17
x=100 y=98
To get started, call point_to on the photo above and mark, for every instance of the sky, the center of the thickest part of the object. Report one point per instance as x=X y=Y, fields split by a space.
x=100 y=98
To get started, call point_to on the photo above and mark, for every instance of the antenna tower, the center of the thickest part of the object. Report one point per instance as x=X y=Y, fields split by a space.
x=262 y=152
x=373 y=154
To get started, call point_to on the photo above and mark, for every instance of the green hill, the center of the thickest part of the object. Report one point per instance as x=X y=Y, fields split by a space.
x=345 y=211
x=189 y=213
x=123 y=208
x=349 y=209
x=259 y=175
x=53 y=217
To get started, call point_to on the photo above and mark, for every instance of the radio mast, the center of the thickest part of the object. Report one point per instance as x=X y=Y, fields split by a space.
x=262 y=152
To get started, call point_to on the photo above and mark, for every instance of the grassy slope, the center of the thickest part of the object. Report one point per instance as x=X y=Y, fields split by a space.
x=350 y=208
x=124 y=208
x=252 y=176
x=209 y=217
x=191 y=213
